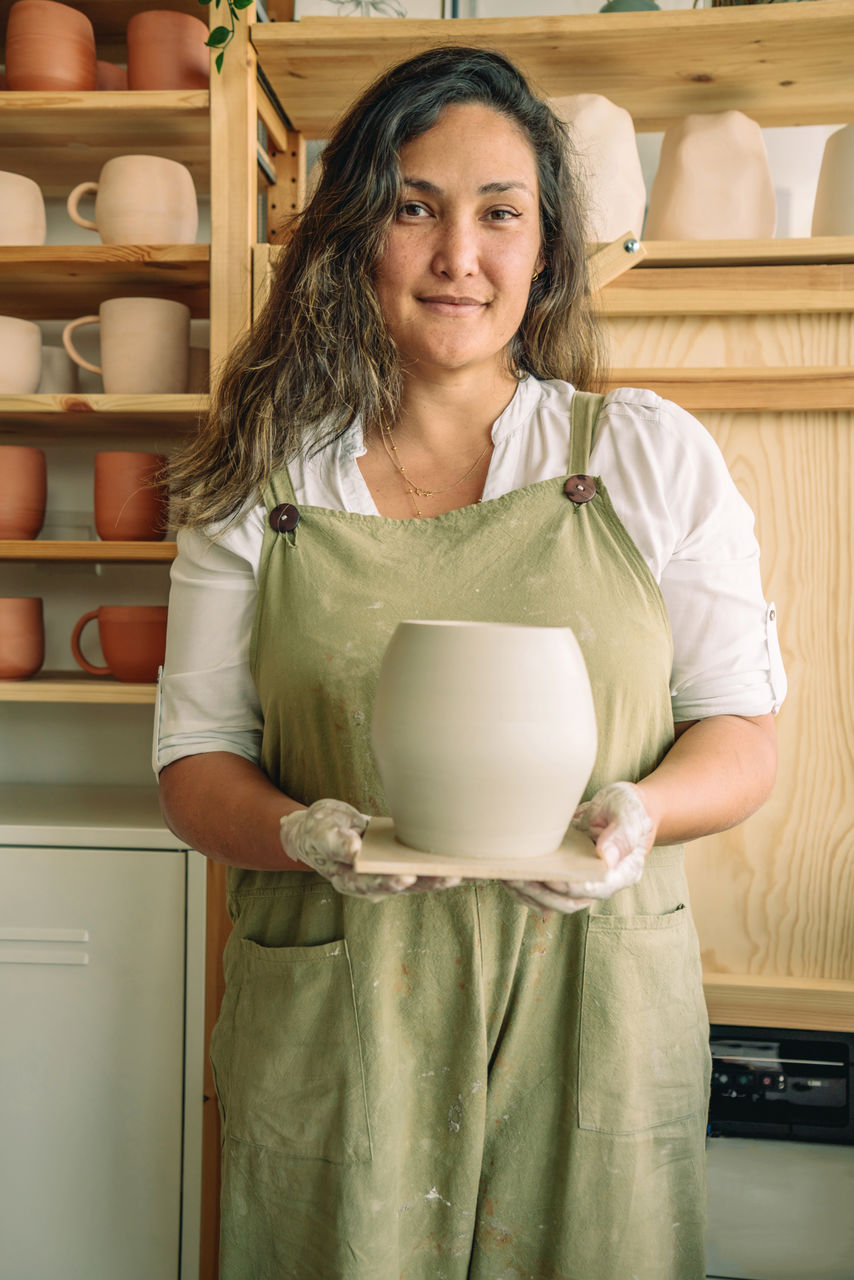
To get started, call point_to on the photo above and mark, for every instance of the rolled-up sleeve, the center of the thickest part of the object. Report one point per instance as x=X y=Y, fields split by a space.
x=206 y=699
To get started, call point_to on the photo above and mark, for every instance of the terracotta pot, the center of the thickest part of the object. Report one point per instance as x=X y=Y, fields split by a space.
x=20 y=356
x=713 y=182
x=167 y=50
x=109 y=77
x=23 y=491
x=21 y=637
x=22 y=212
x=133 y=641
x=145 y=345
x=833 y=212
x=131 y=498
x=140 y=200
x=59 y=373
x=49 y=46
x=484 y=736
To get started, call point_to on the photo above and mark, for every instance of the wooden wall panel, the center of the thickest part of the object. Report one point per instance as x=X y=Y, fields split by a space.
x=776 y=895
x=777 y=341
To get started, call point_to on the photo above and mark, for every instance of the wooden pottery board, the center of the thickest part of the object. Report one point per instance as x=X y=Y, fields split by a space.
x=576 y=859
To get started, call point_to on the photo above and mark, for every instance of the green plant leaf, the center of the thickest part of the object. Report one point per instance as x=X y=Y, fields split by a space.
x=241 y=4
x=204 y=1
x=218 y=61
x=218 y=36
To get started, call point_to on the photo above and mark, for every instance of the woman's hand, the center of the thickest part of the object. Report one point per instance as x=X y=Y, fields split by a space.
x=617 y=821
x=327 y=837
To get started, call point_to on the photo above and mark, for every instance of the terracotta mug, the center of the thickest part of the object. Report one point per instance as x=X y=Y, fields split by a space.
x=133 y=641
x=140 y=200
x=131 y=497
x=109 y=77
x=23 y=491
x=21 y=637
x=22 y=212
x=20 y=356
x=59 y=373
x=145 y=345
x=49 y=46
x=167 y=50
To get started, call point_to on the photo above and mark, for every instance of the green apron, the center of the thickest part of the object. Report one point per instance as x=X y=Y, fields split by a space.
x=445 y=1085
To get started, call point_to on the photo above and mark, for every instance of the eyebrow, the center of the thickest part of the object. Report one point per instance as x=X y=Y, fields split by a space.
x=488 y=188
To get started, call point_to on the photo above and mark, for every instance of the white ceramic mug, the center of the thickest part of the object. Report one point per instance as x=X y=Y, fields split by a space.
x=22 y=212
x=145 y=346
x=140 y=200
x=20 y=356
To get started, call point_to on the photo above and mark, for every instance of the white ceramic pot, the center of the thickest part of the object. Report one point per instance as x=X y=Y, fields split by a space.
x=713 y=182
x=605 y=140
x=22 y=211
x=484 y=736
x=20 y=356
x=833 y=212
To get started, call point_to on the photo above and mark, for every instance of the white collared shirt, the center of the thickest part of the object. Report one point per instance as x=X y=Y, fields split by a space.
x=668 y=483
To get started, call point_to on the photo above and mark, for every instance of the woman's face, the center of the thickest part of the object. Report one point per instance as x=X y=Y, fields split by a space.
x=454 y=278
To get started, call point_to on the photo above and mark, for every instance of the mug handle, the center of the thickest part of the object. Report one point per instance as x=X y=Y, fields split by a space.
x=73 y=201
x=69 y=345
x=75 y=647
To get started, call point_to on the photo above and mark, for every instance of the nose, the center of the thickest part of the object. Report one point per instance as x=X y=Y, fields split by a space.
x=456 y=253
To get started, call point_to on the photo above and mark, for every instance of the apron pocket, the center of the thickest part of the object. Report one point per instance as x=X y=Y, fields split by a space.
x=297 y=1084
x=644 y=1051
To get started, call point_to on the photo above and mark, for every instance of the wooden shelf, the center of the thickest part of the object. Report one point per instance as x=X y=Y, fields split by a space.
x=65 y=686
x=743 y=289
x=60 y=282
x=60 y=139
x=781 y=64
x=89 y=552
x=745 y=253
x=746 y=389
x=814 y=1004
x=74 y=415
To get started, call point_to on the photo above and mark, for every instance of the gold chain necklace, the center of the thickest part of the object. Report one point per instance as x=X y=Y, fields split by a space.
x=414 y=489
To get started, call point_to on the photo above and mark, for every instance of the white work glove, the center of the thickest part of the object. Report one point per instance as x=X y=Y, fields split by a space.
x=617 y=822
x=328 y=835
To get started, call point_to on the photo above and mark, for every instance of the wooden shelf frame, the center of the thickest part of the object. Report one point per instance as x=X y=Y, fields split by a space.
x=747 y=1000
x=60 y=282
x=66 y=687
x=61 y=139
x=777 y=64
x=87 y=552
x=76 y=414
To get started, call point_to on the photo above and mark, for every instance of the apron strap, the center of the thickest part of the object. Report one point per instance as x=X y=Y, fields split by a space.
x=278 y=490
x=583 y=414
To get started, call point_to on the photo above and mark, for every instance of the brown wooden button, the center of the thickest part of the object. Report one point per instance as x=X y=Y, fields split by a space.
x=284 y=518
x=580 y=489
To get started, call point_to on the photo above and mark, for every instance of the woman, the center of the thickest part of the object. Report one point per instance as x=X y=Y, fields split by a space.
x=425 y=1078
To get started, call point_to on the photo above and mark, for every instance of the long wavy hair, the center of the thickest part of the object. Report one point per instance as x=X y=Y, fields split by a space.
x=319 y=353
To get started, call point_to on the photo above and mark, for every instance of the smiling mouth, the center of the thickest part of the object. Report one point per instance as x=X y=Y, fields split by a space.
x=455 y=302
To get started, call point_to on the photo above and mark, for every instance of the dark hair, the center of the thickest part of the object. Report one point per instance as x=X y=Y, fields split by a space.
x=320 y=353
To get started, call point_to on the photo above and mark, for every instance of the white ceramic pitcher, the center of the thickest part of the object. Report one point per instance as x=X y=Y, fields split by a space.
x=484 y=736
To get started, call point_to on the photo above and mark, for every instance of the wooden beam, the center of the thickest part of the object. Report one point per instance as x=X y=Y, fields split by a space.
x=814 y=1004
x=743 y=390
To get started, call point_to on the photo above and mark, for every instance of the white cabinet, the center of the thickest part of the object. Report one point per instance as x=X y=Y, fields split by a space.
x=101 y=995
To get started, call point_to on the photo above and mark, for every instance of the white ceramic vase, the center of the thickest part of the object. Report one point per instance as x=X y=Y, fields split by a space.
x=604 y=137
x=484 y=736
x=833 y=212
